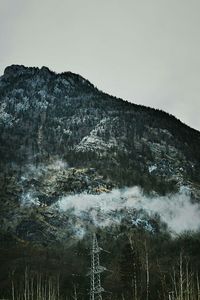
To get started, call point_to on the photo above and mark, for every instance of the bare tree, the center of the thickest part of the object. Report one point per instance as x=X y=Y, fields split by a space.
x=147 y=270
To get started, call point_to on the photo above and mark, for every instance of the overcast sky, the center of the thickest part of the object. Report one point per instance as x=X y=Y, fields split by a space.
x=144 y=51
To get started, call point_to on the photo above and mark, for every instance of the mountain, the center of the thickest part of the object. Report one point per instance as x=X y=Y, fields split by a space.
x=44 y=116
x=60 y=135
x=74 y=159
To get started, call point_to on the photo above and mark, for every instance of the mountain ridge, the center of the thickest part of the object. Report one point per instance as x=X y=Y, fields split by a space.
x=84 y=118
x=16 y=69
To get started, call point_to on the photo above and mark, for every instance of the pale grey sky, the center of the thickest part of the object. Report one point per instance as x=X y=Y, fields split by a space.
x=144 y=51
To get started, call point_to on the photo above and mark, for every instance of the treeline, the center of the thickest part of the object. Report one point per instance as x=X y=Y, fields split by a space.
x=141 y=266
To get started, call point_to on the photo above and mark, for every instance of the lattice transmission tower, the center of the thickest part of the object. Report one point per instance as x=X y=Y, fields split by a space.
x=95 y=271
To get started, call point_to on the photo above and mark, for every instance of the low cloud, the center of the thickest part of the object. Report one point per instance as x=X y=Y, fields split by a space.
x=177 y=210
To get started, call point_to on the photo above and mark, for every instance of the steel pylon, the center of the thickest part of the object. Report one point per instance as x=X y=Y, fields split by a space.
x=95 y=271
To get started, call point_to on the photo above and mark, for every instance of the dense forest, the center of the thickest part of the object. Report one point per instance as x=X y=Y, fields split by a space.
x=140 y=265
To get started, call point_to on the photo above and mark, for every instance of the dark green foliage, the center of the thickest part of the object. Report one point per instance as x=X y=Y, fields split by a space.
x=125 y=263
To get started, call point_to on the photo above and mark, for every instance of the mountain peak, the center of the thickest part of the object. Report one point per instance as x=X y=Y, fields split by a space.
x=15 y=70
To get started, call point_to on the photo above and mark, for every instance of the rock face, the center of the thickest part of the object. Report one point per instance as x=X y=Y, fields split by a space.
x=48 y=118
